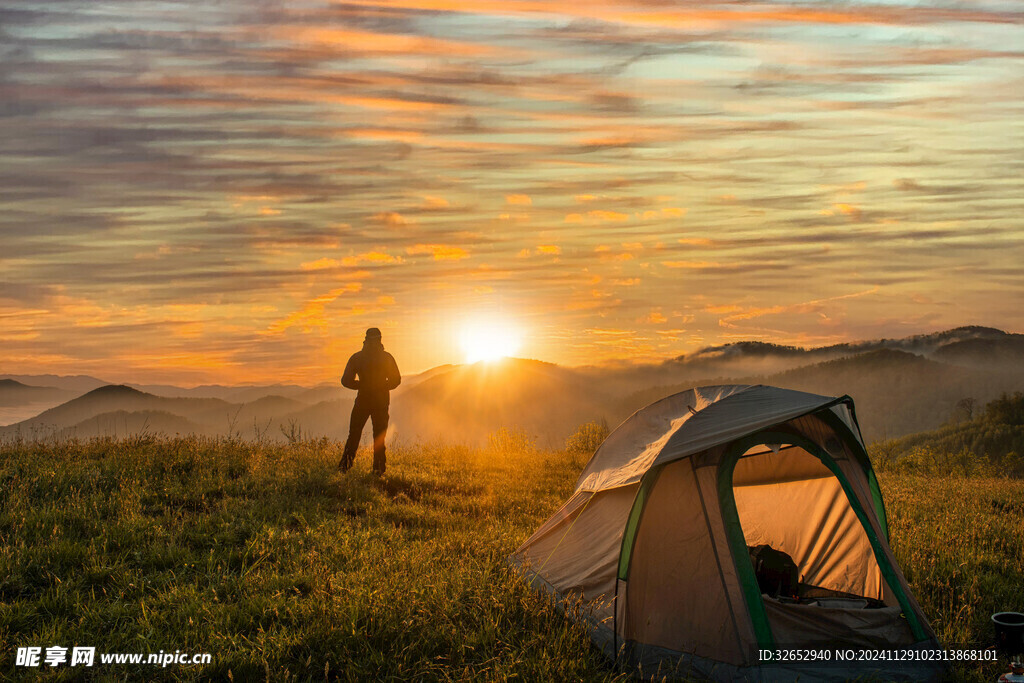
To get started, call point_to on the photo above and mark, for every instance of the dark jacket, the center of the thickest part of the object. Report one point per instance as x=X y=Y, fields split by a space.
x=372 y=372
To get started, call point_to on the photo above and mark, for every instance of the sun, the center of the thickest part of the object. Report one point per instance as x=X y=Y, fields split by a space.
x=489 y=340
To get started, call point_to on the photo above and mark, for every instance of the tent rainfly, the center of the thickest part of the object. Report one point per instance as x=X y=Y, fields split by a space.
x=655 y=545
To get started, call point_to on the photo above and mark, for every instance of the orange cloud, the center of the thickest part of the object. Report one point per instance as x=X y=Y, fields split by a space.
x=610 y=332
x=803 y=307
x=266 y=88
x=549 y=249
x=320 y=264
x=518 y=199
x=440 y=252
x=613 y=141
x=515 y=217
x=688 y=18
x=311 y=316
x=370 y=257
x=609 y=215
x=655 y=317
x=598 y=215
x=606 y=255
x=391 y=218
x=722 y=309
x=691 y=264
x=384 y=134
x=368 y=43
x=434 y=202
x=850 y=210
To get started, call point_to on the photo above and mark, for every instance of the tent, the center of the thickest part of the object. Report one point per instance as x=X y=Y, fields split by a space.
x=653 y=549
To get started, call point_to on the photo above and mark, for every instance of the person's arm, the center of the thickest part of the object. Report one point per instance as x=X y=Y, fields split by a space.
x=348 y=379
x=394 y=376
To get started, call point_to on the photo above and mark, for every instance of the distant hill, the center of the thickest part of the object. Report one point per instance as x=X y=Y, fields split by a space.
x=208 y=415
x=13 y=392
x=466 y=403
x=20 y=400
x=120 y=423
x=323 y=393
x=326 y=418
x=255 y=393
x=79 y=384
x=1004 y=353
x=896 y=392
x=900 y=386
x=760 y=358
x=113 y=398
x=262 y=415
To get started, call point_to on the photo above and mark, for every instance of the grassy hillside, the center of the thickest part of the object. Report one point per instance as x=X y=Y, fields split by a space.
x=283 y=569
x=268 y=558
x=990 y=443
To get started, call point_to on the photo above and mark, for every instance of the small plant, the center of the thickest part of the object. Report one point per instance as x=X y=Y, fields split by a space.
x=293 y=431
x=587 y=438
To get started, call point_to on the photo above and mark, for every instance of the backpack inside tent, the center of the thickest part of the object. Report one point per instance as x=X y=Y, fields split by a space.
x=724 y=521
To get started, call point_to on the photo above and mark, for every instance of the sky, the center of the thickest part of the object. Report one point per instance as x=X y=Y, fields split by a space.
x=234 y=191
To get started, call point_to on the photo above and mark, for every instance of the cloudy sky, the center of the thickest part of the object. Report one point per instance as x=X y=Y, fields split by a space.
x=233 y=191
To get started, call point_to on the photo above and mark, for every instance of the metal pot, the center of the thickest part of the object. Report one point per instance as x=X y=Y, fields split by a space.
x=1009 y=628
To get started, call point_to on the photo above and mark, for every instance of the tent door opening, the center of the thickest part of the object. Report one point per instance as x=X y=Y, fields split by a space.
x=789 y=501
x=808 y=567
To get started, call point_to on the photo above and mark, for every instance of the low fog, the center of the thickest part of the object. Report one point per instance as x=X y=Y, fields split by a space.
x=899 y=386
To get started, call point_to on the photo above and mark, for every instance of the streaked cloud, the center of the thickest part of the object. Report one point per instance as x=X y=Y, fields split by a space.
x=371 y=257
x=440 y=252
x=390 y=218
x=231 y=190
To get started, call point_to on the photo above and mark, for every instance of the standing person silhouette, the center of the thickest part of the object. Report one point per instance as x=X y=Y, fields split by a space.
x=373 y=373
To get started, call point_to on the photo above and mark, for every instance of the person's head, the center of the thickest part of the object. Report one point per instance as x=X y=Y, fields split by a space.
x=373 y=335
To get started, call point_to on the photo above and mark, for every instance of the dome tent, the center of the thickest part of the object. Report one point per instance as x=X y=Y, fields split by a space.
x=654 y=544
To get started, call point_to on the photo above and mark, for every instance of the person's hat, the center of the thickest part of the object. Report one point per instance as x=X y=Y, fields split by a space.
x=373 y=333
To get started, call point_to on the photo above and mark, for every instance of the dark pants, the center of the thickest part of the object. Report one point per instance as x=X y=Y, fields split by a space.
x=378 y=415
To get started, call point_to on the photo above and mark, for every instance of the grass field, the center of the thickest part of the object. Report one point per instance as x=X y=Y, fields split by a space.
x=283 y=569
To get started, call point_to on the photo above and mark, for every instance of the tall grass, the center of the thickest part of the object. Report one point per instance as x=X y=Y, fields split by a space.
x=960 y=542
x=279 y=566
x=284 y=569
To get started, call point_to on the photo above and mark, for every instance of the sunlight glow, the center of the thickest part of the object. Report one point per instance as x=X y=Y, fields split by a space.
x=489 y=340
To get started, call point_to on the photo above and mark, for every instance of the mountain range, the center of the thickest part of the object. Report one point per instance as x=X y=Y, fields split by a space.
x=900 y=386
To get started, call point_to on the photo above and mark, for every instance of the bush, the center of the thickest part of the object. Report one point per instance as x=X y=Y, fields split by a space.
x=587 y=438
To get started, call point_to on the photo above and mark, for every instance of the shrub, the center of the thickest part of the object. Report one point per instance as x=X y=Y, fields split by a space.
x=587 y=438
